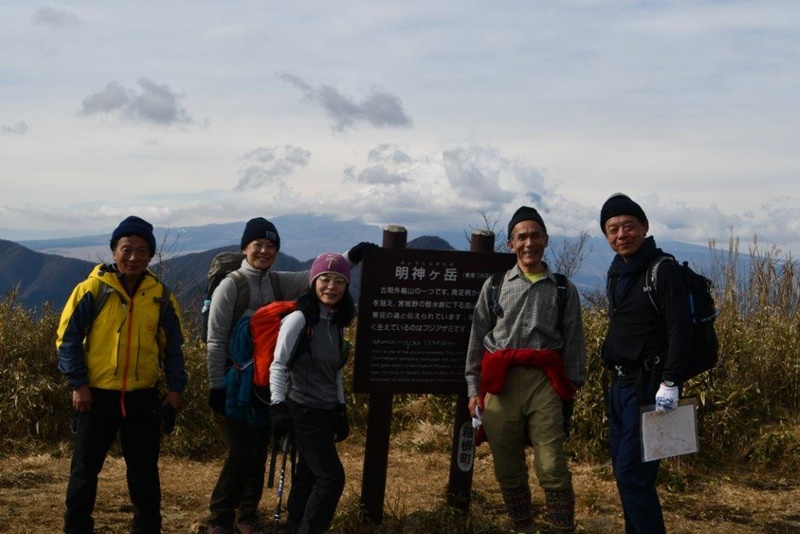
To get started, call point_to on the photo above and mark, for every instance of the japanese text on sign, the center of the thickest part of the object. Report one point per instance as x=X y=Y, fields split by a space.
x=415 y=314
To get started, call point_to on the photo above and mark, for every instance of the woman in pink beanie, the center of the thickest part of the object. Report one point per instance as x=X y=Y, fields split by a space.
x=307 y=396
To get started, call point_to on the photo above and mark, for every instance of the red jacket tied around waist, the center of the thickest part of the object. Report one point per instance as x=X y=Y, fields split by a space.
x=495 y=365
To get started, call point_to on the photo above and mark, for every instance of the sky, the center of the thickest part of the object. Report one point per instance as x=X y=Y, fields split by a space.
x=430 y=115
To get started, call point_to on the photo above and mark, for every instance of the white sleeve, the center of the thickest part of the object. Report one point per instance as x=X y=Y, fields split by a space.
x=291 y=327
x=219 y=327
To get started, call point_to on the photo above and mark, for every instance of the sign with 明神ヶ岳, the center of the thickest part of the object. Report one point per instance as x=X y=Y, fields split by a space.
x=415 y=315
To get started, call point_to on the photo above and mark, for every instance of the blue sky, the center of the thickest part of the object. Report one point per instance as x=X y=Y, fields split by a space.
x=425 y=114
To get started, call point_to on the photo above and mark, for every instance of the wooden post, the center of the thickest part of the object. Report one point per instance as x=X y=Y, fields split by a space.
x=459 y=485
x=379 y=424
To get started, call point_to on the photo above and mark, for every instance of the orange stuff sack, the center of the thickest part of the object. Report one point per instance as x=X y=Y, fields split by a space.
x=264 y=326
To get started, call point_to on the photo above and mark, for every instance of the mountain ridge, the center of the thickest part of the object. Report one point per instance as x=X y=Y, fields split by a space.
x=44 y=277
x=47 y=269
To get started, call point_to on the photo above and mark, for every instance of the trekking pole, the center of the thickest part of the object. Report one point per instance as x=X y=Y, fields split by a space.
x=279 y=508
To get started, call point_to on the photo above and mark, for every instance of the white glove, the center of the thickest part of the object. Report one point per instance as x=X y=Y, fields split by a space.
x=667 y=398
x=477 y=421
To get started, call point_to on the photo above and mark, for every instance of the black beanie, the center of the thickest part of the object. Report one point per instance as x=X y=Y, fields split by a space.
x=260 y=228
x=620 y=204
x=137 y=226
x=525 y=214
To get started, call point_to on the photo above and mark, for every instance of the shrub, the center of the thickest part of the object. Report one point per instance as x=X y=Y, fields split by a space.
x=744 y=409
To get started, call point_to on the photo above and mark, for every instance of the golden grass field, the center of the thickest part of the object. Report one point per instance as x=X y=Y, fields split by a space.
x=728 y=500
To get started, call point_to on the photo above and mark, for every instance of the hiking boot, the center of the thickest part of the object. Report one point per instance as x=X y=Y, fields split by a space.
x=219 y=529
x=518 y=505
x=250 y=527
x=561 y=509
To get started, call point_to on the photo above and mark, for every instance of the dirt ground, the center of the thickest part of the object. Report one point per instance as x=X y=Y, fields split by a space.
x=32 y=495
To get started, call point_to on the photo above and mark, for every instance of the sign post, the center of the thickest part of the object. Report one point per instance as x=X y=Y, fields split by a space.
x=462 y=449
x=415 y=316
x=379 y=422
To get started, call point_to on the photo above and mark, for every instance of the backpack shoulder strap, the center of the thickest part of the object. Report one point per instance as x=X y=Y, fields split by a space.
x=97 y=305
x=494 y=297
x=164 y=302
x=561 y=285
x=242 y=295
x=651 y=277
x=100 y=301
x=276 y=285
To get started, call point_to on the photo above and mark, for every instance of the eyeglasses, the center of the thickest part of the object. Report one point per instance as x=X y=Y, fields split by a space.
x=337 y=281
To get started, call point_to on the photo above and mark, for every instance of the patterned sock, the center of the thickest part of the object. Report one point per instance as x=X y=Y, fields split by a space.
x=518 y=504
x=561 y=508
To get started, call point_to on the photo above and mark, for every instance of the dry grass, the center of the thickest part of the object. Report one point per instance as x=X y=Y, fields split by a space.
x=743 y=480
x=733 y=501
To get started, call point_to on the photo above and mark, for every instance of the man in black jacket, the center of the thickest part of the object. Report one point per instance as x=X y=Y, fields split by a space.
x=645 y=351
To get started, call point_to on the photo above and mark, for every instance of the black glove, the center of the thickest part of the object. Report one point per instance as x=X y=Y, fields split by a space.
x=342 y=424
x=216 y=399
x=167 y=415
x=279 y=415
x=356 y=254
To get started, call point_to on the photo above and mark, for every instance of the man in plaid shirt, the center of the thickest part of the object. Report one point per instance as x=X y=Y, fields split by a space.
x=525 y=360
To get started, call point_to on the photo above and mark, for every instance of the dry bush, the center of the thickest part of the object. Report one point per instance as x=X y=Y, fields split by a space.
x=754 y=391
x=588 y=439
x=33 y=409
x=756 y=382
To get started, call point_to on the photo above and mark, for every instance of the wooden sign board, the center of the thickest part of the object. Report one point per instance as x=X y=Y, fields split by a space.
x=415 y=315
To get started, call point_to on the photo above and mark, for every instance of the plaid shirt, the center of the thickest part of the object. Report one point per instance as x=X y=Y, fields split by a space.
x=530 y=321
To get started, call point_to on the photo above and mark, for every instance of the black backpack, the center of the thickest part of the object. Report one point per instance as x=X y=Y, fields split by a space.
x=704 y=352
x=226 y=264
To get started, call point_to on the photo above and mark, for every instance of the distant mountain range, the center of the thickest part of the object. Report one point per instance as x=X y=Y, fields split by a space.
x=43 y=277
x=47 y=270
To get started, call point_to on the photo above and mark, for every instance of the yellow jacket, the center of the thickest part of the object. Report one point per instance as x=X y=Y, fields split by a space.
x=121 y=350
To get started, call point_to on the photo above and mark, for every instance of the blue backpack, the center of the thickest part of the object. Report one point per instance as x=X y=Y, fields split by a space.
x=252 y=349
x=239 y=401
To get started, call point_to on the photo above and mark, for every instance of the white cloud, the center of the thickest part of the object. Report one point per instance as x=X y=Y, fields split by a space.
x=380 y=109
x=375 y=174
x=389 y=153
x=270 y=165
x=55 y=18
x=154 y=103
x=689 y=107
x=18 y=128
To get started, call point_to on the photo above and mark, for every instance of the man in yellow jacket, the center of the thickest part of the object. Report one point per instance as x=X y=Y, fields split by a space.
x=117 y=329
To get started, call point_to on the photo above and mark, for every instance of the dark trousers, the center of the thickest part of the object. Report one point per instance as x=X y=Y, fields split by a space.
x=318 y=482
x=241 y=481
x=636 y=480
x=140 y=435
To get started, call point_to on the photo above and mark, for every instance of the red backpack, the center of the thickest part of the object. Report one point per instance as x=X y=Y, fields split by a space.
x=264 y=326
x=252 y=351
